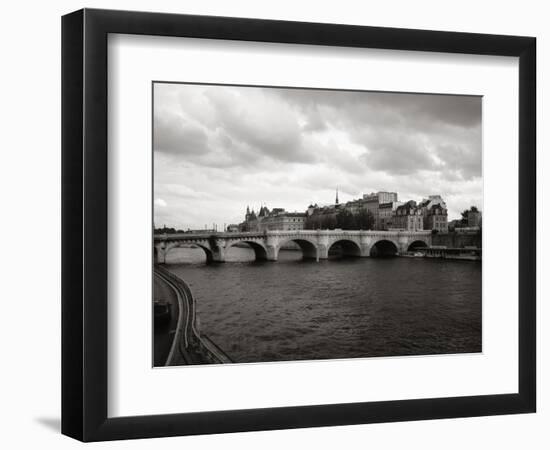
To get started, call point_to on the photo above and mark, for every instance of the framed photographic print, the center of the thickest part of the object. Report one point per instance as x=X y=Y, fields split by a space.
x=273 y=224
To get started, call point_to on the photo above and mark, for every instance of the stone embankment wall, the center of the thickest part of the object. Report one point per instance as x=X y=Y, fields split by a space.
x=456 y=240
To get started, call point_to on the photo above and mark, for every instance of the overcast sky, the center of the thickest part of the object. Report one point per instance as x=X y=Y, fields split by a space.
x=218 y=149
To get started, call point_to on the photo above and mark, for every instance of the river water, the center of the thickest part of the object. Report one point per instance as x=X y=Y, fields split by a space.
x=337 y=308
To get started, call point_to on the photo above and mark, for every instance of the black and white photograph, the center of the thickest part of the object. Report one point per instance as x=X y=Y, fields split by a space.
x=297 y=224
x=275 y=225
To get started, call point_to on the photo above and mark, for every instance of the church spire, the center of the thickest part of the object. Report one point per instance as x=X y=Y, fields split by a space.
x=336 y=195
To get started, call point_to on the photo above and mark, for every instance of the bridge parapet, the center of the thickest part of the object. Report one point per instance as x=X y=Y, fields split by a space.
x=281 y=233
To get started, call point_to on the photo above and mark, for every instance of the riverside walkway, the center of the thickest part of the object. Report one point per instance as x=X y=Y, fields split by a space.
x=186 y=344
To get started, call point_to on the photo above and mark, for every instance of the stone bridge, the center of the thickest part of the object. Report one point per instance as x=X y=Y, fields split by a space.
x=315 y=244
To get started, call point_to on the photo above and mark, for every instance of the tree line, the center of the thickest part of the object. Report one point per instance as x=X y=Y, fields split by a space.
x=167 y=230
x=344 y=219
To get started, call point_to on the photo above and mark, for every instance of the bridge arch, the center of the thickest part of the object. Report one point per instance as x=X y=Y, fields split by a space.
x=260 y=251
x=384 y=248
x=309 y=248
x=417 y=244
x=208 y=252
x=345 y=247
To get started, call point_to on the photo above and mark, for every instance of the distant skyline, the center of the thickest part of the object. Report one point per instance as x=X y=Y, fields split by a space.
x=218 y=149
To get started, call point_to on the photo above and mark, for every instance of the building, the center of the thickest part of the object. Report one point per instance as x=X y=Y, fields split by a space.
x=426 y=206
x=372 y=203
x=375 y=211
x=283 y=221
x=276 y=219
x=354 y=206
x=433 y=200
x=386 y=212
x=232 y=228
x=408 y=217
x=250 y=221
x=436 y=219
x=381 y=197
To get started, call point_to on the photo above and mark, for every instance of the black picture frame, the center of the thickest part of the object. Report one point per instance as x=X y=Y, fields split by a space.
x=84 y=224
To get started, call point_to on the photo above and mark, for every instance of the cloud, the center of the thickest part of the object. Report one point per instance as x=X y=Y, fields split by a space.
x=397 y=153
x=465 y=160
x=175 y=134
x=245 y=127
x=261 y=122
x=416 y=111
x=218 y=148
x=160 y=203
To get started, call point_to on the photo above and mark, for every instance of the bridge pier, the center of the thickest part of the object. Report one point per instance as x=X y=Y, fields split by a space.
x=218 y=255
x=322 y=252
x=403 y=245
x=272 y=253
x=159 y=255
x=365 y=250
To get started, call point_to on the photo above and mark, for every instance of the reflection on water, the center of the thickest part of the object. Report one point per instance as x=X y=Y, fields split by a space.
x=293 y=309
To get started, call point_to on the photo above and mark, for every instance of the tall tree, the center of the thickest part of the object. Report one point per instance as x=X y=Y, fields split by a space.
x=345 y=220
x=464 y=214
x=364 y=220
